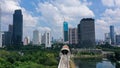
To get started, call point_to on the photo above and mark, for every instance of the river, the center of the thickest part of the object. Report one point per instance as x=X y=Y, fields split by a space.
x=94 y=63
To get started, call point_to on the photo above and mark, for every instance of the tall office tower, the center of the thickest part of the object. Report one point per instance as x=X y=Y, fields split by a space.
x=87 y=32
x=65 y=31
x=17 y=28
x=112 y=34
x=107 y=38
x=73 y=36
x=0 y=28
x=10 y=29
x=8 y=36
x=118 y=39
x=78 y=30
x=36 y=37
x=43 y=39
x=3 y=39
x=40 y=38
x=47 y=39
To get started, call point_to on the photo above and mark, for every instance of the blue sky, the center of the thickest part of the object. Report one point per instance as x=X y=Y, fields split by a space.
x=48 y=15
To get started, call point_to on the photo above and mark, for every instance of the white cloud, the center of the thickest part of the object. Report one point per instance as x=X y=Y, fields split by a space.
x=108 y=3
x=52 y=15
x=87 y=3
x=101 y=27
x=8 y=7
x=29 y=20
x=109 y=17
x=43 y=29
x=101 y=22
x=111 y=3
x=55 y=11
x=112 y=16
x=117 y=2
x=7 y=13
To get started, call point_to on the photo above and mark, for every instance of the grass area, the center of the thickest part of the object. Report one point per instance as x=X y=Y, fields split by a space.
x=88 y=56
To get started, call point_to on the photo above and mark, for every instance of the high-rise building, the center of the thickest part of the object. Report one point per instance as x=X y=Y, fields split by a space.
x=0 y=29
x=107 y=38
x=17 y=28
x=47 y=39
x=73 y=36
x=112 y=34
x=8 y=36
x=43 y=39
x=36 y=37
x=118 y=39
x=78 y=28
x=3 y=39
x=87 y=32
x=10 y=29
x=65 y=31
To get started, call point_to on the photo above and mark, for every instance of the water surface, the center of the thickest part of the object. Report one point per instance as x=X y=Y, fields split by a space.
x=94 y=63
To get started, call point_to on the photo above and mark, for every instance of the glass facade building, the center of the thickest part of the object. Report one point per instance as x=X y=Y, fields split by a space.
x=86 y=33
x=65 y=31
x=112 y=34
x=17 y=27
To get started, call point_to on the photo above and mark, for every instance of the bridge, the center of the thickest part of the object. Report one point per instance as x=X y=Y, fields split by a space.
x=107 y=53
x=64 y=57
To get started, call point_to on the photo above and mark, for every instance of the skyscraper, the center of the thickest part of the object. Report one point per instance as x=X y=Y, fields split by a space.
x=78 y=30
x=87 y=32
x=118 y=39
x=36 y=37
x=73 y=35
x=3 y=39
x=112 y=34
x=7 y=38
x=65 y=31
x=0 y=29
x=10 y=29
x=107 y=38
x=46 y=39
x=17 y=28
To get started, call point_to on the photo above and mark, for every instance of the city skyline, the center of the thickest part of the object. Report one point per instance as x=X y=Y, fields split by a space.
x=59 y=33
x=49 y=15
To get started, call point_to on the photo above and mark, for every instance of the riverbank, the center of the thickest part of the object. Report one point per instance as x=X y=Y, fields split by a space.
x=94 y=63
x=118 y=64
x=88 y=56
x=72 y=64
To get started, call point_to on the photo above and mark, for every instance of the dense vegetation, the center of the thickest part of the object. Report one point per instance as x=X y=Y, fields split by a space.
x=41 y=57
x=28 y=57
x=108 y=47
x=116 y=50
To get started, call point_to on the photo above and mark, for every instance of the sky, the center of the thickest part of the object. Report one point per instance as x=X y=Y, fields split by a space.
x=49 y=15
